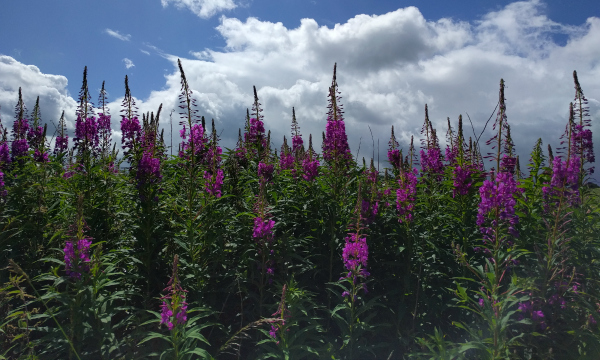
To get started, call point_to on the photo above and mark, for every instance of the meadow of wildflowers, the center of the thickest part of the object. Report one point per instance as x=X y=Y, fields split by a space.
x=247 y=253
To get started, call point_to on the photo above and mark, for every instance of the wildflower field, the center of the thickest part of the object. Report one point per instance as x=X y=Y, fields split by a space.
x=124 y=251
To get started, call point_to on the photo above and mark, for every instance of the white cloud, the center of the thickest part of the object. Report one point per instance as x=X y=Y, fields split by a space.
x=145 y=52
x=128 y=63
x=388 y=67
x=202 y=8
x=52 y=90
x=118 y=35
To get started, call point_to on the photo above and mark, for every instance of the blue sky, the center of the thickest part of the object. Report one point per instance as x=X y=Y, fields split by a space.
x=392 y=56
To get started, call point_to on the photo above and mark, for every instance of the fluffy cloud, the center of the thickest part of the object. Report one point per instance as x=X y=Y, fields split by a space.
x=128 y=63
x=202 y=8
x=388 y=67
x=52 y=90
x=117 y=35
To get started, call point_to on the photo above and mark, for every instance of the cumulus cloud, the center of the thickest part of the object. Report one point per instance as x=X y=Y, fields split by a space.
x=388 y=67
x=202 y=8
x=118 y=35
x=52 y=90
x=391 y=65
x=128 y=63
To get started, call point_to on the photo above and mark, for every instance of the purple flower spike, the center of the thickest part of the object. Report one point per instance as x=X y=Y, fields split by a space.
x=4 y=155
x=310 y=168
x=431 y=161
x=265 y=171
x=287 y=161
x=537 y=315
x=405 y=195
x=174 y=307
x=263 y=228
x=40 y=157
x=297 y=143
x=462 y=180
x=148 y=171
x=77 y=257
x=19 y=148
x=214 y=183
x=61 y=144
x=132 y=132
x=395 y=158
x=356 y=252
x=335 y=145
x=86 y=134
x=498 y=195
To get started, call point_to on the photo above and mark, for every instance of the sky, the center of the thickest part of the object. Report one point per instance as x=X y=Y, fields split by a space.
x=393 y=57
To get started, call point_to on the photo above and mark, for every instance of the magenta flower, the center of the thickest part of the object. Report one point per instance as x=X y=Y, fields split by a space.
x=462 y=180
x=335 y=146
x=582 y=143
x=213 y=183
x=356 y=252
x=273 y=332
x=19 y=148
x=395 y=158
x=498 y=196
x=20 y=129
x=86 y=134
x=212 y=158
x=265 y=171
x=174 y=307
x=394 y=154
x=40 y=156
x=451 y=154
x=431 y=161
x=4 y=155
x=405 y=195
x=297 y=143
x=287 y=161
x=148 y=171
x=369 y=210
x=263 y=229
x=77 y=257
x=131 y=133
x=35 y=136
x=104 y=130
x=166 y=315
x=182 y=314
x=310 y=168
x=525 y=307
x=565 y=178
x=61 y=144
x=255 y=136
x=196 y=137
x=556 y=299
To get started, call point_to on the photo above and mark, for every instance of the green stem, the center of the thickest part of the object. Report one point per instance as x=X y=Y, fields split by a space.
x=21 y=272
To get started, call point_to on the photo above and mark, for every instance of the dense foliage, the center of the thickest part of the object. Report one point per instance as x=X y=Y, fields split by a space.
x=250 y=254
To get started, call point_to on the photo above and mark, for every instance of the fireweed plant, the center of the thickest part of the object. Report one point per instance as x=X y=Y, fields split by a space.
x=337 y=157
x=459 y=261
x=184 y=333
x=295 y=330
x=357 y=313
x=80 y=294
